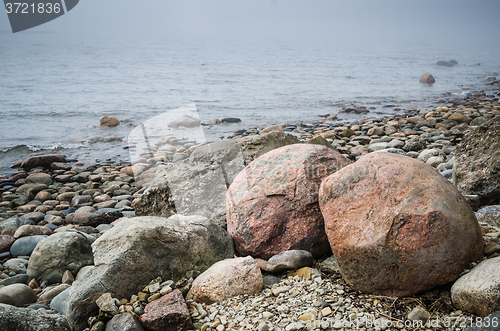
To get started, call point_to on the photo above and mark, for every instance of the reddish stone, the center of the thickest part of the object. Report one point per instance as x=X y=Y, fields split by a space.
x=427 y=78
x=396 y=226
x=42 y=161
x=43 y=196
x=170 y=312
x=83 y=218
x=9 y=231
x=272 y=205
x=19 y=175
x=5 y=242
x=63 y=178
x=108 y=121
x=226 y=279
x=66 y=196
x=27 y=208
x=51 y=203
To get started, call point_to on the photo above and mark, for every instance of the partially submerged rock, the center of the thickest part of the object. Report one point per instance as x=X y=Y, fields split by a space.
x=427 y=78
x=108 y=121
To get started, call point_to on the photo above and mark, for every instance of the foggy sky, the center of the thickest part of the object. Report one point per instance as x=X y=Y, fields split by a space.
x=441 y=20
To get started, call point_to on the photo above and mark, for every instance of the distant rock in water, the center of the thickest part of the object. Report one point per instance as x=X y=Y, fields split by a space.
x=355 y=110
x=231 y=120
x=109 y=121
x=450 y=63
x=427 y=78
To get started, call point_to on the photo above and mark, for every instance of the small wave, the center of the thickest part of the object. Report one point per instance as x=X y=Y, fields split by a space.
x=36 y=148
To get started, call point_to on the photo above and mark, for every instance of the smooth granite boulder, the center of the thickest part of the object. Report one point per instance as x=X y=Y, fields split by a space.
x=135 y=251
x=69 y=250
x=477 y=163
x=272 y=205
x=17 y=295
x=396 y=226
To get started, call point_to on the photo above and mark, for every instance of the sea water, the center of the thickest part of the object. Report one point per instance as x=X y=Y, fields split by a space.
x=54 y=88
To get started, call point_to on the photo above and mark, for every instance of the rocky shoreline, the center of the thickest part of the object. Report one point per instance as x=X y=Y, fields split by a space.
x=63 y=223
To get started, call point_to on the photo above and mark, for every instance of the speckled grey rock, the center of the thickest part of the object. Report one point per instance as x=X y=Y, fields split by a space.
x=19 y=266
x=490 y=215
x=196 y=185
x=478 y=291
x=292 y=259
x=137 y=250
x=60 y=252
x=124 y=322
x=20 y=319
x=14 y=221
x=24 y=246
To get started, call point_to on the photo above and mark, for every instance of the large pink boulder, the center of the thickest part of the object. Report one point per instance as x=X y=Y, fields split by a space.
x=169 y=313
x=272 y=205
x=396 y=226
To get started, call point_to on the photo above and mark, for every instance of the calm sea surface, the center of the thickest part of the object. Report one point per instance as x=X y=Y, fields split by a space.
x=54 y=88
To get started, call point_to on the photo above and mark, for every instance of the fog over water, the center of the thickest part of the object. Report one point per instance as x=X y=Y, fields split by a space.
x=445 y=20
x=265 y=62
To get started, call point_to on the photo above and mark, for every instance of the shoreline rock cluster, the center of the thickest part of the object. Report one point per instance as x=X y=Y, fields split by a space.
x=117 y=248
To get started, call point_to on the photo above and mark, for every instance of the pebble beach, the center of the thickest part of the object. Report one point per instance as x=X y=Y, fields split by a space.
x=45 y=198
